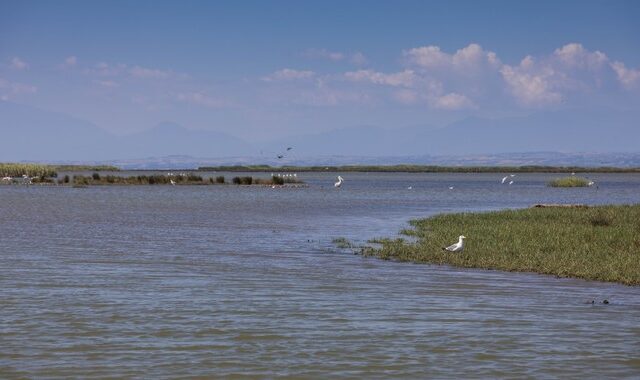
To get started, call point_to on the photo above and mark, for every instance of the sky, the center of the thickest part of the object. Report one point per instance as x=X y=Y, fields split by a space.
x=262 y=70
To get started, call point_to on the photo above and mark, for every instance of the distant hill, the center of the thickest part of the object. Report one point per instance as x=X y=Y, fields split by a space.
x=33 y=134
x=596 y=130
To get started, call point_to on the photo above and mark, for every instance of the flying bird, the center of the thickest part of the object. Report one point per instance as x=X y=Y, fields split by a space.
x=339 y=183
x=457 y=247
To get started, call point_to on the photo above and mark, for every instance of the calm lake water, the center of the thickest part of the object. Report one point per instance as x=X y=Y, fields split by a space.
x=163 y=281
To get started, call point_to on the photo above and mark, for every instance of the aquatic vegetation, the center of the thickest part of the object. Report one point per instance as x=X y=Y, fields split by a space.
x=571 y=181
x=220 y=179
x=595 y=243
x=32 y=170
x=342 y=243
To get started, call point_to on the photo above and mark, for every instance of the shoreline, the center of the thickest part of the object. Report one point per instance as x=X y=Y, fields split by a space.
x=596 y=243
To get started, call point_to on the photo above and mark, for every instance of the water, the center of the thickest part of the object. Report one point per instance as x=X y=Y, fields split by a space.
x=245 y=282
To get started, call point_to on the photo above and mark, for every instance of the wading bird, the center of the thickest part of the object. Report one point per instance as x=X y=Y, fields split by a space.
x=458 y=247
x=339 y=183
x=505 y=178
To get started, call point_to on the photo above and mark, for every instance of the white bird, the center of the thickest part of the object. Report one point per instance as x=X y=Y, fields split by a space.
x=450 y=187
x=7 y=178
x=173 y=182
x=458 y=247
x=512 y=175
x=510 y=182
x=410 y=187
x=573 y=173
x=339 y=183
x=591 y=183
x=505 y=178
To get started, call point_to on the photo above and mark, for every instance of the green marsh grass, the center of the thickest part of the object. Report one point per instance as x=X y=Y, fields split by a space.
x=571 y=181
x=595 y=243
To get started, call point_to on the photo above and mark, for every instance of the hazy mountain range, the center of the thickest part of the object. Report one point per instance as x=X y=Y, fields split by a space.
x=32 y=134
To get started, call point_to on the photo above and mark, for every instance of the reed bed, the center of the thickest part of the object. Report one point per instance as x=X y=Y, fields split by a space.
x=32 y=170
x=594 y=243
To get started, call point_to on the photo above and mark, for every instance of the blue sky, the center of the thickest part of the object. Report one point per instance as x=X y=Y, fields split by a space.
x=262 y=70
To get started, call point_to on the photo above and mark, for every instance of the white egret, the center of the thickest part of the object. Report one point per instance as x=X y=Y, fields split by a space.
x=410 y=188
x=457 y=247
x=339 y=183
x=7 y=178
x=510 y=182
x=450 y=187
x=505 y=178
x=173 y=183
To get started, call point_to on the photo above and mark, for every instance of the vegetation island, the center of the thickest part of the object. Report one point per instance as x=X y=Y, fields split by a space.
x=593 y=243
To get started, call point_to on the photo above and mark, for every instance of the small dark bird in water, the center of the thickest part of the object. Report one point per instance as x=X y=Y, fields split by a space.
x=289 y=148
x=280 y=156
x=606 y=302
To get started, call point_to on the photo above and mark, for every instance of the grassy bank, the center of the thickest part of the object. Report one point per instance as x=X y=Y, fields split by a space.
x=571 y=181
x=421 y=169
x=595 y=243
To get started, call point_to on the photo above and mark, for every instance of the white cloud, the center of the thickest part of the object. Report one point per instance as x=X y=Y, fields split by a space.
x=531 y=86
x=143 y=72
x=288 y=75
x=356 y=58
x=431 y=57
x=201 y=99
x=10 y=89
x=323 y=54
x=106 y=83
x=71 y=61
x=453 y=101
x=406 y=78
x=575 y=55
x=627 y=77
x=18 y=64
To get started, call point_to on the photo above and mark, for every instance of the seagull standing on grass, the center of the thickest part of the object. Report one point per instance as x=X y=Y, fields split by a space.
x=458 y=247
x=339 y=183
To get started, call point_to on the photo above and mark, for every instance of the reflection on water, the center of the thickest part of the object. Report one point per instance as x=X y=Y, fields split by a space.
x=224 y=280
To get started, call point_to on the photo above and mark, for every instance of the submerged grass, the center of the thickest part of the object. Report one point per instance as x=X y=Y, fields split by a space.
x=571 y=181
x=596 y=243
